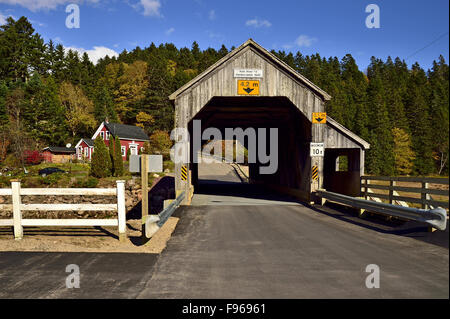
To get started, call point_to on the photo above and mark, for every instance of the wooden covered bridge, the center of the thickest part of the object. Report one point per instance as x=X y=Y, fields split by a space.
x=251 y=88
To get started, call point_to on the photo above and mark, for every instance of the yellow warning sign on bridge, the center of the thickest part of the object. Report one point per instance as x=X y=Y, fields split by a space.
x=319 y=117
x=183 y=173
x=248 y=87
x=315 y=172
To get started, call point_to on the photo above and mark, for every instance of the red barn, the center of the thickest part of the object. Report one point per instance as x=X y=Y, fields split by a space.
x=131 y=138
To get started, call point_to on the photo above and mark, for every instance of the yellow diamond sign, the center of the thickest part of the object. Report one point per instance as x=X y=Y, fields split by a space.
x=248 y=87
x=319 y=118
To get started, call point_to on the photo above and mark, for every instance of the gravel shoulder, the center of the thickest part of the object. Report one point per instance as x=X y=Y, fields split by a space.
x=86 y=239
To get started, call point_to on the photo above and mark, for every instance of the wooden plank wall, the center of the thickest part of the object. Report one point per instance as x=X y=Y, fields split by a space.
x=275 y=82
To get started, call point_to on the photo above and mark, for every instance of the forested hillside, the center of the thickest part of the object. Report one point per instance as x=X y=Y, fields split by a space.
x=50 y=96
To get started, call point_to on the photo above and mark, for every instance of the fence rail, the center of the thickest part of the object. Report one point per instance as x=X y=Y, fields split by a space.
x=425 y=200
x=16 y=192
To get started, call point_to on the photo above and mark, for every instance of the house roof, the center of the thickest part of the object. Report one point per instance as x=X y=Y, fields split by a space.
x=124 y=131
x=58 y=149
x=341 y=128
x=88 y=141
x=251 y=43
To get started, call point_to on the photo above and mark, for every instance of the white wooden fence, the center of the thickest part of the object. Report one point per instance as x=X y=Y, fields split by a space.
x=17 y=207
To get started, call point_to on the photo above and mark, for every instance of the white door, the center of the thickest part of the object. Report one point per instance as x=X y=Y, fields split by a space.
x=133 y=149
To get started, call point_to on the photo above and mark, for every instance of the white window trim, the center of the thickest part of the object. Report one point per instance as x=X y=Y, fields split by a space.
x=123 y=149
x=102 y=134
x=107 y=135
x=102 y=125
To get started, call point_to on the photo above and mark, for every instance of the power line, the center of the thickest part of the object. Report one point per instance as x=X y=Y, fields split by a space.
x=429 y=44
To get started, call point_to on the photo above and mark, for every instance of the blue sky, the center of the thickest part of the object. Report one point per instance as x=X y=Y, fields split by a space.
x=327 y=27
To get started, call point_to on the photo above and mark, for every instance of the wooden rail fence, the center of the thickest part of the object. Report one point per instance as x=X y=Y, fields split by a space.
x=17 y=207
x=426 y=201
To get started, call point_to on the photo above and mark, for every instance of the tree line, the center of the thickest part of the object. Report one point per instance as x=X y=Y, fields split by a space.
x=51 y=96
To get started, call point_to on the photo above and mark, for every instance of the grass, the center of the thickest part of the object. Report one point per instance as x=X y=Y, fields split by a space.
x=77 y=176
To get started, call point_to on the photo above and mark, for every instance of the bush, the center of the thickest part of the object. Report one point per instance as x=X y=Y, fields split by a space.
x=101 y=161
x=33 y=157
x=160 y=143
x=90 y=182
x=11 y=161
x=51 y=179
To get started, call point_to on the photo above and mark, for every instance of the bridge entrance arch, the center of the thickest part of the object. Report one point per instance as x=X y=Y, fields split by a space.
x=252 y=89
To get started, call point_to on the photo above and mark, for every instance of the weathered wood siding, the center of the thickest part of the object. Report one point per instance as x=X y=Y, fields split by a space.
x=335 y=139
x=220 y=82
x=277 y=81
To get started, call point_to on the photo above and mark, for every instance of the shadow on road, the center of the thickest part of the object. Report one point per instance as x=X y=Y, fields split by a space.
x=243 y=190
x=383 y=224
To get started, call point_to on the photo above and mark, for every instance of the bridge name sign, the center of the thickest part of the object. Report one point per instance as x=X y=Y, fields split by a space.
x=248 y=73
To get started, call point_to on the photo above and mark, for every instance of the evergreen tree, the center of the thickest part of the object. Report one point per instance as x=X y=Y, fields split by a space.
x=380 y=159
x=118 y=160
x=43 y=113
x=403 y=154
x=419 y=120
x=111 y=151
x=4 y=119
x=101 y=161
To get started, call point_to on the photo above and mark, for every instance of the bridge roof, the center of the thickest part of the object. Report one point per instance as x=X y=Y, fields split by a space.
x=352 y=136
x=276 y=61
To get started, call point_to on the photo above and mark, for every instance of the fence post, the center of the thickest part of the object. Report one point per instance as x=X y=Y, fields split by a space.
x=391 y=191
x=424 y=196
x=17 y=213
x=366 y=189
x=121 y=210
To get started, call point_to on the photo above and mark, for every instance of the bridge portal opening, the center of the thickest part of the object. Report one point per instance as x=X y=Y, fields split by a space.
x=291 y=151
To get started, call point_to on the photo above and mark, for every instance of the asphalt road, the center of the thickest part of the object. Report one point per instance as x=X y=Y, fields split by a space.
x=271 y=247
x=274 y=247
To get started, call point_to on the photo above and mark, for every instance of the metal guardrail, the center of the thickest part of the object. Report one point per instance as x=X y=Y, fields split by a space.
x=155 y=222
x=436 y=217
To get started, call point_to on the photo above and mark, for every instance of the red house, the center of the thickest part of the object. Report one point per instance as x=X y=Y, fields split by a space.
x=131 y=138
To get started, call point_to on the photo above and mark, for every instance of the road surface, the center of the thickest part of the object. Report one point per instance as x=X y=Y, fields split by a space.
x=237 y=241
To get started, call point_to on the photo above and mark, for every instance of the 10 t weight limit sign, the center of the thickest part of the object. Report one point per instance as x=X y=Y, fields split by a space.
x=316 y=149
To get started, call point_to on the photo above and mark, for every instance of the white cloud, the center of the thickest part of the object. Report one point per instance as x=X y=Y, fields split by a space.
x=151 y=7
x=257 y=23
x=2 y=19
x=95 y=54
x=35 y=5
x=305 y=41
x=212 y=15
x=170 y=31
x=287 y=46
